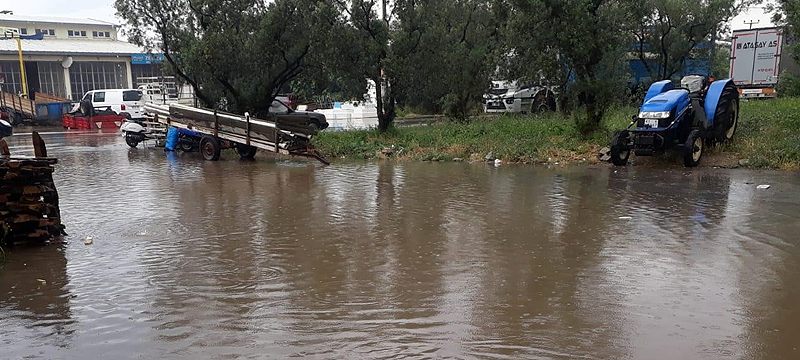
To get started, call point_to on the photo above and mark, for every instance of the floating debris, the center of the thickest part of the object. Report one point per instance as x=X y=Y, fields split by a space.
x=89 y=240
x=763 y=187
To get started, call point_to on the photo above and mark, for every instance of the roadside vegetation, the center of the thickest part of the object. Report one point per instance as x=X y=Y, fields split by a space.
x=438 y=56
x=768 y=137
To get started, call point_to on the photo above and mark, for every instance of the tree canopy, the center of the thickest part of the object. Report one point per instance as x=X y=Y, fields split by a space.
x=431 y=55
x=237 y=54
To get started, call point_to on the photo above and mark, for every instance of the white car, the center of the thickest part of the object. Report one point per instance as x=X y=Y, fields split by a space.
x=509 y=97
x=126 y=102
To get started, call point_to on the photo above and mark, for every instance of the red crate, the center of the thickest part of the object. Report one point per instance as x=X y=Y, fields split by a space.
x=96 y=122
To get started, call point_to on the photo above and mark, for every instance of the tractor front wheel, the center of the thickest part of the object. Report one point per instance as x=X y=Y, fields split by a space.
x=620 y=151
x=693 y=149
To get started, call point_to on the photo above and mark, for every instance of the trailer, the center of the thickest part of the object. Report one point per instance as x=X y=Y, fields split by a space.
x=757 y=62
x=46 y=108
x=17 y=106
x=288 y=134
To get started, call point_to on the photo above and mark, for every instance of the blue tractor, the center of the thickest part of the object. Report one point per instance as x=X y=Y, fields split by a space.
x=689 y=118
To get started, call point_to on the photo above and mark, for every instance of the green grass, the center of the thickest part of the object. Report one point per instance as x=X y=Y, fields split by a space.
x=769 y=136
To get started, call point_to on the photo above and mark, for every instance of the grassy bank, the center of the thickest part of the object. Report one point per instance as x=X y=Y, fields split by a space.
x=768 y=137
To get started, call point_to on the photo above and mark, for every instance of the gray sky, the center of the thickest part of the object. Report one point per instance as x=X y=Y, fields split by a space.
x=95 y=9
x=104 y=10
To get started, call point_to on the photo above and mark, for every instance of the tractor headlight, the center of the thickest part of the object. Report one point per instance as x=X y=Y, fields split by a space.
x=654 y=114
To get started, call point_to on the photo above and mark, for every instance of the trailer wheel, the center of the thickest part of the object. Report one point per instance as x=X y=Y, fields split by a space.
x=693 y=149
x=620 y=152
x=246 y=152
x=185 y=145
x=210 y=147
x=16 y=118
x=727 y=113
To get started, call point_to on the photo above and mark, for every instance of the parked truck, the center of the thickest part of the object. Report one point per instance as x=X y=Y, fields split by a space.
x=757 y=61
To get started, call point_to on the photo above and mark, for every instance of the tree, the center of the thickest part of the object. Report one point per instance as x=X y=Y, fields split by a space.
x=236 y=54
x=370 y=38
x=668 y=33
x=788 y=14
x=582 y=39
x=443 y=53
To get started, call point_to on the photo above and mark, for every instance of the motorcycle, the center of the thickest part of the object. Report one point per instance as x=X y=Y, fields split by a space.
x=137 y=131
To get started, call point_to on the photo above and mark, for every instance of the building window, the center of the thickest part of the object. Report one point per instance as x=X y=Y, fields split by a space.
x=51 y=78
x=23 y=31
x=45 y=32
x=107 y=34
x=76 y=33
x=96 y=75
x=83 y=33
x=94 y=33
x=9 y=71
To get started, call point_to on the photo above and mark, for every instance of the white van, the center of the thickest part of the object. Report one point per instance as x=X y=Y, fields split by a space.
x=121 y=101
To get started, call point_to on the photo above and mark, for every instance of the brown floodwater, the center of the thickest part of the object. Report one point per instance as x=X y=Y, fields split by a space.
x=285 y=258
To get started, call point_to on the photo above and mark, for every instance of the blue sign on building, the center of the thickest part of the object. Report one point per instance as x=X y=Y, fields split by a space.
x=146 y=59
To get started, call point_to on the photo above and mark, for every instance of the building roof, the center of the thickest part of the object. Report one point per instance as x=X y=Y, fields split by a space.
x=53 y=19
x=71 y=47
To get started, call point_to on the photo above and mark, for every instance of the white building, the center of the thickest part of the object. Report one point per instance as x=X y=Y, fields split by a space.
x=73 y=57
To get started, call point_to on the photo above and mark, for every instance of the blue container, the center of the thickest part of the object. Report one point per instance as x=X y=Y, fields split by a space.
x=55 y=111
x=42 y=112
x=52 y=112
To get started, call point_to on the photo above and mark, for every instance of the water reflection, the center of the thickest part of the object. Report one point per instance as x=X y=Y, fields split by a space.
x=35 y=300
x=288 y=258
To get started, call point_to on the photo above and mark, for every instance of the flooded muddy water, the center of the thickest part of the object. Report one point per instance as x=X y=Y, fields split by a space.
x=282 y=258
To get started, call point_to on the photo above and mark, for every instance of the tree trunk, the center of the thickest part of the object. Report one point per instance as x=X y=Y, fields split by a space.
x=384 y=100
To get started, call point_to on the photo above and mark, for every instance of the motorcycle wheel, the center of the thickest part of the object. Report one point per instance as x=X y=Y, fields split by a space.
x=131 y=141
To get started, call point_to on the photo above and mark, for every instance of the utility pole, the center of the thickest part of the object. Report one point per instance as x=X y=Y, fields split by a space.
x=14 y=34
x=751 y=22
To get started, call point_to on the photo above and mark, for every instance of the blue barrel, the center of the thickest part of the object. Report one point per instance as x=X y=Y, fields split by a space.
x=173 y=136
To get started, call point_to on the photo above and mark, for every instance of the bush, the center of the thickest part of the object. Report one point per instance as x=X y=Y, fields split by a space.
x=456 y=107
x=788 y=85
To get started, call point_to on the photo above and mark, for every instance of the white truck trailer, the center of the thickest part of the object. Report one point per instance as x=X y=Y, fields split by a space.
x=757 y=61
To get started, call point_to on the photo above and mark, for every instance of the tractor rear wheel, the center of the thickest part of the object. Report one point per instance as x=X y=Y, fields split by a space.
x=693 y=149
x=726 y=115
x=620 y=152
x=210 y=147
